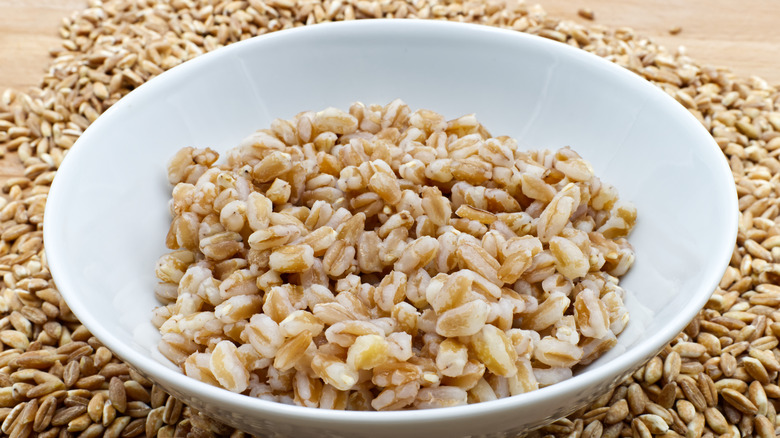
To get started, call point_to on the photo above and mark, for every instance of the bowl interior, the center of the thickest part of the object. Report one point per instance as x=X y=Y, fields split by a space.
x=107 y=214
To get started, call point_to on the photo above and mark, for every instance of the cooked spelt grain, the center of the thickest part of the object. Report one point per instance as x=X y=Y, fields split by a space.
x=368 y=319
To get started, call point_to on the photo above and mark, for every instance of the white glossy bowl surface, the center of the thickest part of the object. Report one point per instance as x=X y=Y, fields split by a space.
x=107 y=214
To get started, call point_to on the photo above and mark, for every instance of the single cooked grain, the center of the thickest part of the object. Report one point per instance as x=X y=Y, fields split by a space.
x=488 y=267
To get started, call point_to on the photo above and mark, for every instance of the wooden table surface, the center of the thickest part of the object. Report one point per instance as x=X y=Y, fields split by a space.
x=741 y=35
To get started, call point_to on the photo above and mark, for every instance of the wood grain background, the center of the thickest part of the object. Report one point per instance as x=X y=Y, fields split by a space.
x=739 y=34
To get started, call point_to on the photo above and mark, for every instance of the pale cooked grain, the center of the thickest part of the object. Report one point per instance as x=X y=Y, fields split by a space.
x=364 y=313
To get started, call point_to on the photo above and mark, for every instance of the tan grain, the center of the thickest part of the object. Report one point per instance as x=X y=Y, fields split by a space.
x=739 y=401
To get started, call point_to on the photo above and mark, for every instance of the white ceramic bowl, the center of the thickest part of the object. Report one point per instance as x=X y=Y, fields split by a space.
x=107 y=213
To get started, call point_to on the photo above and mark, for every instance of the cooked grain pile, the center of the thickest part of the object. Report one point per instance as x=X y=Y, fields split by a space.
x=385 y=258
x=718 y=377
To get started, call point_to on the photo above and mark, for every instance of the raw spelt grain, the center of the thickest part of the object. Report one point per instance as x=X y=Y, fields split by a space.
x=586 y=13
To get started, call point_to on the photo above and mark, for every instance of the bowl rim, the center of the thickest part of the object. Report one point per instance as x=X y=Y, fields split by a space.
x=156 y=371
